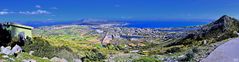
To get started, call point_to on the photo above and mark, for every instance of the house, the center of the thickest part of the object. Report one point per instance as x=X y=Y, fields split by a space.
x=18 y=30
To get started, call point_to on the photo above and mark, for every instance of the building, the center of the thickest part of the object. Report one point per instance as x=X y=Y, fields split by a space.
x=18 y=30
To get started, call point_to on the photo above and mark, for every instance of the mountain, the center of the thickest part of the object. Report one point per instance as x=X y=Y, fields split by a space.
x=221 y=29
x=98 y=22
x=225 y=23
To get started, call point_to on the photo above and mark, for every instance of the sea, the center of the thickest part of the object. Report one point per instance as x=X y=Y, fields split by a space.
x=163 y=24
x=132 y=24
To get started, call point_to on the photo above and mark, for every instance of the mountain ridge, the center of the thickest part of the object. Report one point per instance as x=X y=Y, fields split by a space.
x=223 y=28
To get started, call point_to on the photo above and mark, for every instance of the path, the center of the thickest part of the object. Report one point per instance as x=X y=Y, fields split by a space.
x=227 y=52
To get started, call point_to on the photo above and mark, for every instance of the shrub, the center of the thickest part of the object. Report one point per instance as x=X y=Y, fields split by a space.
x=195 y=50
x=146 y=59
x=115 y=47
x=42 y=48
x=5 y=36
x=188 y=57
x=173 y=49
x=24 y=56
x=94 y=55
x=227 y=35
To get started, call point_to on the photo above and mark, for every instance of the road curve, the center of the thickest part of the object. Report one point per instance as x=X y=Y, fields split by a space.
x=227 y=52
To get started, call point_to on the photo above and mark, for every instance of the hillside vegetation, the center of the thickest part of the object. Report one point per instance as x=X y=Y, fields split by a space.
x=193 y=47
x=76 y=42
x=85 y=46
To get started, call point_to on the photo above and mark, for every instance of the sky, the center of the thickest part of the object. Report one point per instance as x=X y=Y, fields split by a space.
x=70 y=10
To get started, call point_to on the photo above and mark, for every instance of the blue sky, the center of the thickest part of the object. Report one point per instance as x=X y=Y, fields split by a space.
x=68 y=10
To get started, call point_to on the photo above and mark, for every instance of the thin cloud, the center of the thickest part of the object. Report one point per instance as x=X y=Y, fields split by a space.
x=34 y=12
x=5 y=12
x=39 y=11
x=38 y=6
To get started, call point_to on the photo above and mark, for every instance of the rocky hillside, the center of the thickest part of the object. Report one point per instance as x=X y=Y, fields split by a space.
x=223 y=28
x=201 y=42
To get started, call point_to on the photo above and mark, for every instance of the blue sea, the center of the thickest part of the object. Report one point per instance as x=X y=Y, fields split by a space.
x=136 y=24
x=163 y=24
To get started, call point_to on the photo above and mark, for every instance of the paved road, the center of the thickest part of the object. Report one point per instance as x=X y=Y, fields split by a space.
x=227 y=52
